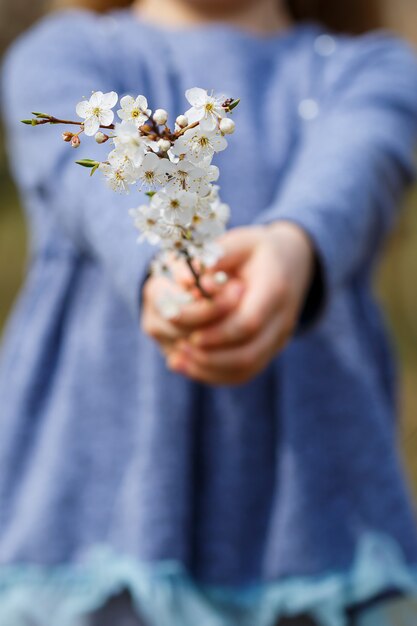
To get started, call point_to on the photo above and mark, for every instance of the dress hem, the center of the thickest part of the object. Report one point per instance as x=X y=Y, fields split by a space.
x=67 y=593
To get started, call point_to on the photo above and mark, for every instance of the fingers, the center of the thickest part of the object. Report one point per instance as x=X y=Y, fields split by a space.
x=194 y=315
x=235 y=365
x=261 y=301
x=208 y=311
x=159 y=328
x=236 y=246
x=153 y=323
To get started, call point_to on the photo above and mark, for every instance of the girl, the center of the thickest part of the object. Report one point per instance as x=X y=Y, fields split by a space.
x=239 y=467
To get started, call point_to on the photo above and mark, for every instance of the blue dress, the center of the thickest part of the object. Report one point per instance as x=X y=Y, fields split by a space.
x=213 y=505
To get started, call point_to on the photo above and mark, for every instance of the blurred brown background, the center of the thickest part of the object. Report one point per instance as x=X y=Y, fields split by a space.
x=397 y=283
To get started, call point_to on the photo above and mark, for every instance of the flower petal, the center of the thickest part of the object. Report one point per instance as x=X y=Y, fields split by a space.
x=124 y=115
x=106 y=117
x=152 y=160
x=219 y=143
x=91 y=125
x=180 y=146
x=208 y=123
x=196 y=96
x=213 y=173
x=127 y=102
x=194 y=115
x=83 y=108
x=141 y=103
x=109 y=100
x=96 y=99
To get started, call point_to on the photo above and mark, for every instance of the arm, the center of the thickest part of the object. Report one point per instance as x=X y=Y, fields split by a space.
x=49 y=70
x=340 y=198
x=354 y=161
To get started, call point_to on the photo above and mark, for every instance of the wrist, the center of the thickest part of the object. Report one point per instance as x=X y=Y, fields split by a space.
x=297 y=244
x=300 y=244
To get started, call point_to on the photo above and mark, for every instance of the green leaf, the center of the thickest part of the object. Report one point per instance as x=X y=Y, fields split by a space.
x=150 y=194
x=45 y=115
x=234 y=104
x=88 y=163
x=94 y=169
x=28 y=122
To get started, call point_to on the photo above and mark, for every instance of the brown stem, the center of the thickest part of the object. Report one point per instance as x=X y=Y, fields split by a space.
x=55 y=120
x=197 y=277
x=184 y=130
x=153 y=129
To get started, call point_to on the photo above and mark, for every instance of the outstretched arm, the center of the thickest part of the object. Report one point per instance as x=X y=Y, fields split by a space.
x=328 y=221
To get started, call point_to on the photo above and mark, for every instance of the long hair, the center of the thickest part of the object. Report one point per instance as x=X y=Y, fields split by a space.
x=355 y=16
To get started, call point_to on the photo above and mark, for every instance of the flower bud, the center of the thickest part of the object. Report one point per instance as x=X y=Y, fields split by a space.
x=67 y=136
x=220 y=278
x=227 y=126
x=101 y=137
x=160 y=117
x=75 y=142
x=182 y=121
x=164 y=145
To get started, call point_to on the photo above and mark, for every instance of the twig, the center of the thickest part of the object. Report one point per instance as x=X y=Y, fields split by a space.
x=197 y=277
x=179 y=133
x=50 y=119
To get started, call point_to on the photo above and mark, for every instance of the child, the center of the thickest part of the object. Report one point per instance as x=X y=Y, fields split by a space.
x=243 y=468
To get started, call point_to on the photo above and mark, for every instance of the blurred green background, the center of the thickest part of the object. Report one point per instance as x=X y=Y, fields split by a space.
x=397 y=281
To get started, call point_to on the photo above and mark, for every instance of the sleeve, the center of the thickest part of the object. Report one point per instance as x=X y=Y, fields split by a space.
x=353 y=161
x=49 y=70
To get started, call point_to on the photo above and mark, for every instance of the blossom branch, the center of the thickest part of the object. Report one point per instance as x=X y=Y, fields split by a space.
x=196 y=275
x=185 y=214
x=43 y=118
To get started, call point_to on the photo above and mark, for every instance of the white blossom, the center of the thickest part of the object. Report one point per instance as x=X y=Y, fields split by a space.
x=153 y=170
x=146 y=219
x=208 y=228
x=172 y=237
x=177 y=207
x=197 y=145
x=210 y=219
x=119 y=171
x=97 y=111
x=185 y=214
x=221 y=210
x=205 y=204
x=126 y=133
x=186 y=176
x=160 y=266
x=134 y=110
x=207 y=253
x=206 y=109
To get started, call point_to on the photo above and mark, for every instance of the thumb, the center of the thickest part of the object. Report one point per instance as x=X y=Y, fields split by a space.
x=236 y=246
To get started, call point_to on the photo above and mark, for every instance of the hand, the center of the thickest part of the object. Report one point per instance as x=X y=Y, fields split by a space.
x=196 y=315
x=275 y=264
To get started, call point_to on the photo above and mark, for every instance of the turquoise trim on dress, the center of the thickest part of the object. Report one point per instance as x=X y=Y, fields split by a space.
x=64 y=594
